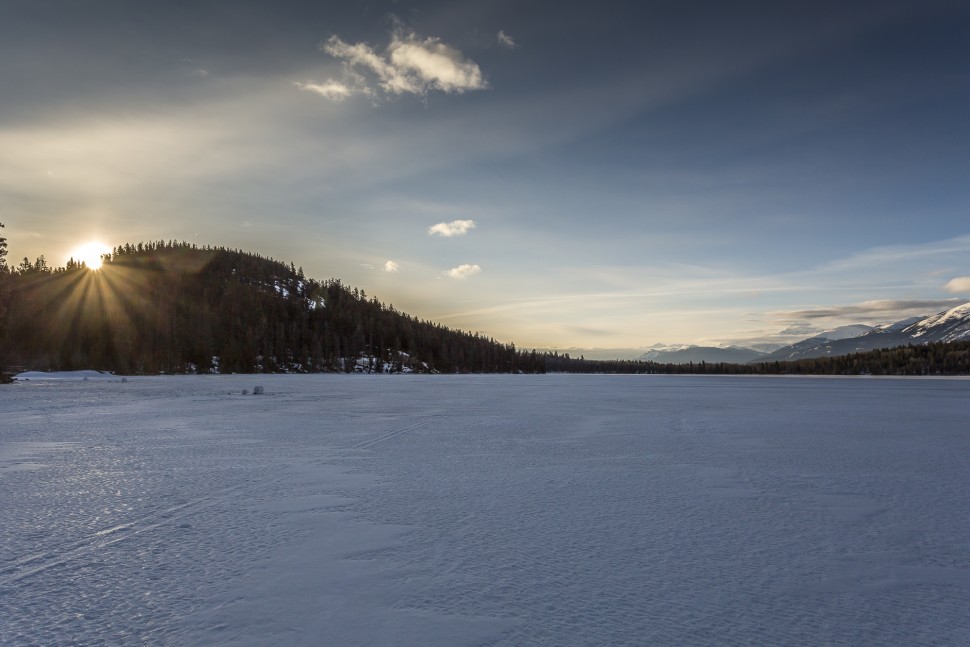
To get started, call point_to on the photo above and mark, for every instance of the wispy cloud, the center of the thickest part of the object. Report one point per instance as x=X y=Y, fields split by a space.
x=505 y=40
x=464 y=271
x=870 y=308
x=800 y=329
x=392 y=267
x=453 y=228
x=330 y=89
x=958 y=285
x=895 y=254
x=409 y=64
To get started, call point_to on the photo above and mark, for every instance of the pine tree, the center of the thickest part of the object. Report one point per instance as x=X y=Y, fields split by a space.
x=3 y=252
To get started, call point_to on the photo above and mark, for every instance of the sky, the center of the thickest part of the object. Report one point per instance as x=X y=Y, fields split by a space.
x=553 y=174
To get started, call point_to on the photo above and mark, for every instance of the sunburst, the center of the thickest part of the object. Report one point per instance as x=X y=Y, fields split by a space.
x=90 y=253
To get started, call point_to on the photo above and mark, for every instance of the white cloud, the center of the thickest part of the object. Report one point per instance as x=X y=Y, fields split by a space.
x=330 y=89
x=435 y=65
x=464 y=271
x=505 y=40
x=453 y=228
x=408 y=65
x=391 y=266
x=958 y=285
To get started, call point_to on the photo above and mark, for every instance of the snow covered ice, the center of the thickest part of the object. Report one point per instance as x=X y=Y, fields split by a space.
x=485 y=510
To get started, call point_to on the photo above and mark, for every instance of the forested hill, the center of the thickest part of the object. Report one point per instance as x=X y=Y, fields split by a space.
x=177 y=308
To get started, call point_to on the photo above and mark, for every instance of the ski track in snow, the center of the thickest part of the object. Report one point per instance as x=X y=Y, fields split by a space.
x=485 y=510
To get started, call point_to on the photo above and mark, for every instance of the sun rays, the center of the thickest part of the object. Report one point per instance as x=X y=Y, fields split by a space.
x=92 y=313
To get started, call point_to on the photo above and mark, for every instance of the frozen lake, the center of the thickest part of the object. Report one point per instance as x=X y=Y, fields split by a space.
x=485 y=510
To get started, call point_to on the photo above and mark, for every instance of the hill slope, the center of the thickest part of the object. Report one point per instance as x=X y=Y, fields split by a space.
x=176 y=308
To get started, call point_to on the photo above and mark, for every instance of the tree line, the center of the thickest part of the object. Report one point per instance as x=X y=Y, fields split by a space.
x=938 y=358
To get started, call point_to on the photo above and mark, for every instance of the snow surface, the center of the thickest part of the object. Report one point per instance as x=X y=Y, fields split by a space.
x=485 y=510
x=64 y=375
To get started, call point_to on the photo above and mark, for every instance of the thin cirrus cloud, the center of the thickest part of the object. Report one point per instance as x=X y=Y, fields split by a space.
x=888 y=307
x=409 y=64
x=505 y=40
x=464 y=271
x=392 y=267
x=329 y=89
x=958 y=285
x=450 y=229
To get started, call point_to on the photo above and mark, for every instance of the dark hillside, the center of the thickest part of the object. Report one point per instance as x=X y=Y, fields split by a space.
x=175 y=308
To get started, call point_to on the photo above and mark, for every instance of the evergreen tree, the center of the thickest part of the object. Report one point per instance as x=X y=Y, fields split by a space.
x=3 y=252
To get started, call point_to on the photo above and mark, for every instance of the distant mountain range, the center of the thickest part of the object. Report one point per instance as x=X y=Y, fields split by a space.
x=698 y=354
x=949 y=325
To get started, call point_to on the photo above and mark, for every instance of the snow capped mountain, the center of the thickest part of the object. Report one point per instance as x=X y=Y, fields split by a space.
x=664 y=354
x=763 y=346
x=949 y=325
x=899 y=325
x=820 y=345
x=844 y=332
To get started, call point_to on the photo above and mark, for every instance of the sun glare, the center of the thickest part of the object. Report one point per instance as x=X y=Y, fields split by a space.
x=90 y=254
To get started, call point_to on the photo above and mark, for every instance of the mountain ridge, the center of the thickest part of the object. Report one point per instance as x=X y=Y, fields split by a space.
x=946 y=326
x=952 y=324
x=695 y=354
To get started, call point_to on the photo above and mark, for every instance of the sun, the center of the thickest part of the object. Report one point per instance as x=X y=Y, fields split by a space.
x=90 y=254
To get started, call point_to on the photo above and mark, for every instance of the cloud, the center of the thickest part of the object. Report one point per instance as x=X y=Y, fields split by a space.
x=453 y=228
x=591 y=332
x=505 y=40
x=897 y=254
x=391 y=266
x=409 y=64
x=801 y=329
x=894 y=307
x=464 y=271
x=958 y=285
x=330 y=89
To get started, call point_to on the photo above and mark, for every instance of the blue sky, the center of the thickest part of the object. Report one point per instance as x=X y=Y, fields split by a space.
x=633 y=173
